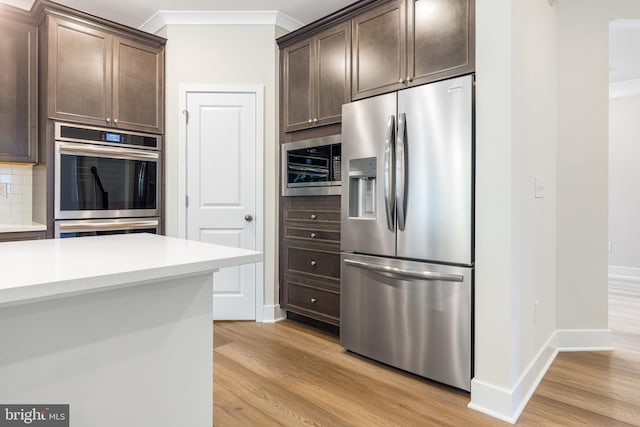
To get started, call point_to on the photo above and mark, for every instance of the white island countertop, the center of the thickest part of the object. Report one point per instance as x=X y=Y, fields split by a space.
x=42 y=269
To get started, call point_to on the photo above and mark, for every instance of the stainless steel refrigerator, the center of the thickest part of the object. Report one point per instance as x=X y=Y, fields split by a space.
x=407 y=230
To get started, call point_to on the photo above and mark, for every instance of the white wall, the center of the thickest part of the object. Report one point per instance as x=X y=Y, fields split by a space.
x=226 y=54
x=583 y=34
x=516 y=140
x=624 y=184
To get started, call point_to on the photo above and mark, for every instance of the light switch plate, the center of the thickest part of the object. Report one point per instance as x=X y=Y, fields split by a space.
x=539 y=191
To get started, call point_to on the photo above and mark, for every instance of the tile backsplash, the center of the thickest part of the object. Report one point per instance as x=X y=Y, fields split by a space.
x=16 y=204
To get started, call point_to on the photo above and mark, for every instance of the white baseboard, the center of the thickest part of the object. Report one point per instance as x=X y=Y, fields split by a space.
x=273 y=313
x=507 y=405
x=583 y=340
x=624 y=274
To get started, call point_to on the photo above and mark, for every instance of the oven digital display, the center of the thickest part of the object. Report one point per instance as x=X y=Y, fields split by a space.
x=113 y=137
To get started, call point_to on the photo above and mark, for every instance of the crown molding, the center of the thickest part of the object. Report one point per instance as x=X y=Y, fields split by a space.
x=624 y=88
x=232 y=17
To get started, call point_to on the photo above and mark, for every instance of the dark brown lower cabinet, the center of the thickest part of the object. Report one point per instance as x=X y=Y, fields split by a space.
x=310 y=257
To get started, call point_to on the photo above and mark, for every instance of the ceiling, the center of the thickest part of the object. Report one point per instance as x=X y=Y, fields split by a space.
x=134 y=13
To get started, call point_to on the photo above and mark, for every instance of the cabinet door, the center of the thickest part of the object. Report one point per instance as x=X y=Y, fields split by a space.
x=379 y=50
x=440 y=39
x=297 y=85
x=138 y=92
x=333 y=77
x=79 y=73
x=17 y=92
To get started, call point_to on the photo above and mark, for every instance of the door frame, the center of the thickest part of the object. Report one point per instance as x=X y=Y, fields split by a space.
x=258 y=90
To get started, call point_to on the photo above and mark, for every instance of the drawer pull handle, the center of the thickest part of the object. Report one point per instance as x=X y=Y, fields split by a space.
x=313 y=263
x=314 y=216
x=314 y=235
x=313 y=300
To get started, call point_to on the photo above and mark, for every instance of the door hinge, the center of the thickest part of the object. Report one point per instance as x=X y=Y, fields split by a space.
x=186 y=201
x=186 y=115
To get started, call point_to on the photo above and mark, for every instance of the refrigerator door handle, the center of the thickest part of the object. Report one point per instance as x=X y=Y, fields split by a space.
x=401 y=171
x=417 y=274
x=389 y=184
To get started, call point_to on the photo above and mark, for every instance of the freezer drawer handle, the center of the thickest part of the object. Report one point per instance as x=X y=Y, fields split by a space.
x=425 y=275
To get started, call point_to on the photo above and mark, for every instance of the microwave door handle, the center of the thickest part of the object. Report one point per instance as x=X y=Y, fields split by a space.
x=309 y=169
x=389 y=152
x=401 y=171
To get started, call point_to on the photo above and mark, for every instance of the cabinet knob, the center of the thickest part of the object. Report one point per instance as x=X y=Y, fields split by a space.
x=314 y=216
x=108 y=119
x=409 y=78
x=115 y=121
x=313 y=300
x=314 y=235
x=310 y=121
x=313 y=263
x=315 y=120
x=401 y=81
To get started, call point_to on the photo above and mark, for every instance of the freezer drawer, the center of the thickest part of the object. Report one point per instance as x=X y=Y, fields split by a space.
x=411 y=315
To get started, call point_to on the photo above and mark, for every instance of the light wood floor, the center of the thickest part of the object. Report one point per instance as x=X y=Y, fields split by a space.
x=289 y=374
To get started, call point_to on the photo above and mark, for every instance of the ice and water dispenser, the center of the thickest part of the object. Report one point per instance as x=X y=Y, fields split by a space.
x=362 y=188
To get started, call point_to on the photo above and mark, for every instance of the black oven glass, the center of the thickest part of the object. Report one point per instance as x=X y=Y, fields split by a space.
x=64 y=235
x=99 y=183
x=314 y=164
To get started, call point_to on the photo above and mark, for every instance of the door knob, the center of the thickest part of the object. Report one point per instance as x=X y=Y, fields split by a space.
x=313 y=263
x=248 y=217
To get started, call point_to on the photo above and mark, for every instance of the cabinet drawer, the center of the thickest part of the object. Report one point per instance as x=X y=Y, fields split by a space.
x=312 y=234
x=314 y=262
x=313 y=216
x=300 y=295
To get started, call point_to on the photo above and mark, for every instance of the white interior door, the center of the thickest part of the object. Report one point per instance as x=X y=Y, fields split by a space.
x=221 y=190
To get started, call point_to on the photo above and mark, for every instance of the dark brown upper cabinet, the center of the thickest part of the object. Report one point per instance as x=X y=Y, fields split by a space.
x=18 y=82
x=441 y=39
x=379 y=50
x=411 y=42
x=316 y=79
x=101 y=78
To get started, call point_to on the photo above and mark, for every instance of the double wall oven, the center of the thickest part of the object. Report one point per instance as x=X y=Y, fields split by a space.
x=106 y=181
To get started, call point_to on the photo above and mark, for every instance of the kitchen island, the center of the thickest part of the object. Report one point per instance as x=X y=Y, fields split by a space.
x=119 y=327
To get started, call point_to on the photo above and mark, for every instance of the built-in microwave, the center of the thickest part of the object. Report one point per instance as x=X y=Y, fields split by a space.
x=312 y=167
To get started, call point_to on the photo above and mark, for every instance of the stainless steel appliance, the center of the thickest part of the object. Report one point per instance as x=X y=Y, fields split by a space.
x=102 y=227
x=311 y=167
x=407 y=230
x=103 y=173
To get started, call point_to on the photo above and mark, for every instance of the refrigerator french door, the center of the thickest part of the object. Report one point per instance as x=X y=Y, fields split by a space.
x=407 y=229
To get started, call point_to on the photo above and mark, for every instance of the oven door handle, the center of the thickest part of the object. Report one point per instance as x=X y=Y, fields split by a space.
x=100 y=151
x=106 y=225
